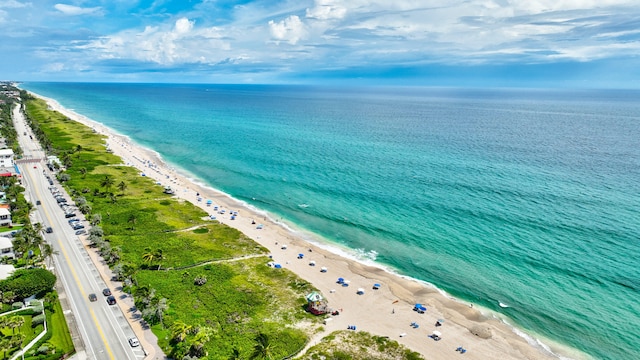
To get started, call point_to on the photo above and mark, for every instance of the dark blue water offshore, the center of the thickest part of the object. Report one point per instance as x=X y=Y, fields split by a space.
x=527 y=197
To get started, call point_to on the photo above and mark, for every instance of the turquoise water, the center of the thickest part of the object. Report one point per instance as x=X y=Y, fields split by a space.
x=527 y=197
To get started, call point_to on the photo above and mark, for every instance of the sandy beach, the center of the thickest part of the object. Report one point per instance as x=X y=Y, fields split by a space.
x=387 y=311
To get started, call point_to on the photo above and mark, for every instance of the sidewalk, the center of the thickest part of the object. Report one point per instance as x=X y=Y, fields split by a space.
x=148 y=340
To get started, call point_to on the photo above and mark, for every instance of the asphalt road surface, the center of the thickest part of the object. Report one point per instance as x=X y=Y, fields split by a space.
x=103 y=328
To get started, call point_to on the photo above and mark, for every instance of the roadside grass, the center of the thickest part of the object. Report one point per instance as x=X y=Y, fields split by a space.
x=60 y=336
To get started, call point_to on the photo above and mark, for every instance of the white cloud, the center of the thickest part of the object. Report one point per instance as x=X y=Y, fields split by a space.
x=54 y=67
x=76 y=10
x=178 y=43
x=343 y=33
x=326 y=10
x=13 y=4
x=184 y=25
x=290 y=29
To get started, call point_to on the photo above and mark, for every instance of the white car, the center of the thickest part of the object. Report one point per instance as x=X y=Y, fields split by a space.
x=134 y=342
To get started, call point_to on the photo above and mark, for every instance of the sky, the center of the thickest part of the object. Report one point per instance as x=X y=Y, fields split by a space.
x=520 y=43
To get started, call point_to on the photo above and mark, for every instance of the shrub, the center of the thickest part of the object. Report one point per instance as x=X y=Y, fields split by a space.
x=17 y=305
x=27 y=282
x=200 y=280
x=38 y=320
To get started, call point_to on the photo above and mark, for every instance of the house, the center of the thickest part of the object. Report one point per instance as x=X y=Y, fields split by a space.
x=6 y=158
x=6 y=247
x=5 y=217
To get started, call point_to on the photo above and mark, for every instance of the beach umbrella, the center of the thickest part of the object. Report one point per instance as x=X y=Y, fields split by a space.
x=437 y=333
x=300 y=256
x=323 y=269
x=376 y=286
x=209 y=202
x=340 y=280
x=360 y=291
x=312 y=263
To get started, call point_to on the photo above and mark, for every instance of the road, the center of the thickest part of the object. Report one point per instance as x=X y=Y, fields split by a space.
x=103 y=328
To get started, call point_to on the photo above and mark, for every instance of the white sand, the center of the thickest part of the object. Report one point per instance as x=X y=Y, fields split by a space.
x=385 y=312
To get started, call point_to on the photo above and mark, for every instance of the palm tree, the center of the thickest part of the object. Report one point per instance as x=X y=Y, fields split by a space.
x=180 y=330
x=122 y=186
x=148 y=256
x=199 y=340
x=5 y=345
x=159 y=257
x=15 y=322
x=262 y=348
x=37 y=227
x=107 y=182
x=47 y=252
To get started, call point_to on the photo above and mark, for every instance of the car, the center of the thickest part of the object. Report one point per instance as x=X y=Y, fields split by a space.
x=48 y=230
x=134 y=342
x=38 y=202
x=93 y=297
x=70 y=214
x=74 y=220
x=106 y=292
x=78 y=226
x=35 y=166
x=81 y=232
x=111 y=300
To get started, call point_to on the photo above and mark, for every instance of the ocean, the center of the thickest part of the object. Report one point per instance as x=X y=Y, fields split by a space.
x=530 y=198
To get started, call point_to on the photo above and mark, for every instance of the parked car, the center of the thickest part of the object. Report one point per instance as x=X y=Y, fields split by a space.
x=111 y=300
x=93 y=297
x=81 y=232
x=106 y=292
x=69 y=214
x=134 y=342
x=78 y=226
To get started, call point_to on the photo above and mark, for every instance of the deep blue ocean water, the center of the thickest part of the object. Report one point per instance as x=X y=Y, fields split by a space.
x=526 y=197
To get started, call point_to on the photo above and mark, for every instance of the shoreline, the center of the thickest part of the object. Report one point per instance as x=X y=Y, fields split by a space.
x=392 y=304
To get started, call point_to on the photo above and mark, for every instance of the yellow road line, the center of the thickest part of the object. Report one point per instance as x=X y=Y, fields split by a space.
x=75 y=275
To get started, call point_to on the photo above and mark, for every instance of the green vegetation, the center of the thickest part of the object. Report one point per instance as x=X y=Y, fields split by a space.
x=60 y=336
x=20 y=328
x=203 y=288
x=349 y=345
x=215 y=294
x=27 y=282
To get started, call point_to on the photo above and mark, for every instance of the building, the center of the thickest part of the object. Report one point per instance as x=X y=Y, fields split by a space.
x=5 y=217
x=6 y=247
x=6 y=158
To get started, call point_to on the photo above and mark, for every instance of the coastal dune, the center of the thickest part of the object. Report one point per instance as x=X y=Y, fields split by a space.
x=387 y=311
